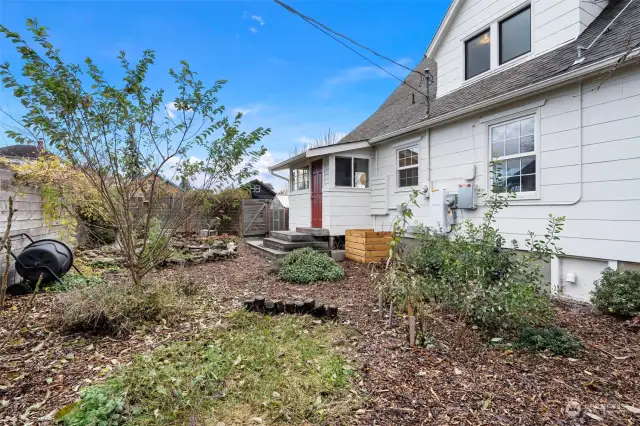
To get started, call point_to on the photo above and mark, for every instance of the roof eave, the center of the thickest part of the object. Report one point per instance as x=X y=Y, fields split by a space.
x=443 y=27
x=559 y=80
x=286 y=163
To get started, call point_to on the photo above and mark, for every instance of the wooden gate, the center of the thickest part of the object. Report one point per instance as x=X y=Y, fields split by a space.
x=255 y=217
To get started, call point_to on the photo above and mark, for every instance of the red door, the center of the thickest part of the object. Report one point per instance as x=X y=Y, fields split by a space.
x=316 y=194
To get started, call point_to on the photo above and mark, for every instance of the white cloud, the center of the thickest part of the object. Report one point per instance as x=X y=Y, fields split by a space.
x=171 y=109
x=249 y=109
x=253 y=29
x=362 y=73
x=258 y=19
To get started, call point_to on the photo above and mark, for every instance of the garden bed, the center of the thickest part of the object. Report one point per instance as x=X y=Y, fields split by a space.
x=461 y=379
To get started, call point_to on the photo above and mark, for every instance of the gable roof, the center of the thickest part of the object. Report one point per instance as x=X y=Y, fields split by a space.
x=162 y=178
x=262 y=184
x=443 y=27
x=398 y=113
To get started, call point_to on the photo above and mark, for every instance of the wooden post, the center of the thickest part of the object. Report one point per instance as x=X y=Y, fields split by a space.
x=279 y=306
x=309 y=304
x=332 y=311
x=299 y=307
x=248 y=304
x=269 y=307
x=412 y=326
x=290 y=307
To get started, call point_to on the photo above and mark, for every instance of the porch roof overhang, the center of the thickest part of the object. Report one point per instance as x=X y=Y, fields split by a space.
x=319 y=151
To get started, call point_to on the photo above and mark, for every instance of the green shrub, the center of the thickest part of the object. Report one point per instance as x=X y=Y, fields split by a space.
x=556 y=340
x=617 y=292
x=304 y=266
x=285 y=370
x=116 y=307
x=73 y=281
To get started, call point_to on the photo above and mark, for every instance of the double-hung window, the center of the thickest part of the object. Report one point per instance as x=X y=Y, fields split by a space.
x=513 y=152
x=352 y=172
x=408 y=167
x=299 y=179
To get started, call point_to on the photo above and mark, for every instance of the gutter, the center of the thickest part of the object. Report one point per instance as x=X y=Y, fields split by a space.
x=545 y=84
x=278 y=176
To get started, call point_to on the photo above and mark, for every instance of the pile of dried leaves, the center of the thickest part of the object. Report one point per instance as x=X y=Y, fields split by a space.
x=461 y=379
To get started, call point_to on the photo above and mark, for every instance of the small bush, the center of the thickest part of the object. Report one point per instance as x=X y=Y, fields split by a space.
x=304 y=266
x=556 y=340
x=618 y=292
x=117 y=307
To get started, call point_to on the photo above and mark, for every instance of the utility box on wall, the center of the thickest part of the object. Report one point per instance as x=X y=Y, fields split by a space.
x=467 y=196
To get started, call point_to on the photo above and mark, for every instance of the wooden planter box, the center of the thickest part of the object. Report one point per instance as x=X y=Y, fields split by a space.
x=366 y=245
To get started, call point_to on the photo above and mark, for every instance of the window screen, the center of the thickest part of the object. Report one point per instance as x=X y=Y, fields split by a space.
x=478 y=55
x=515 y=35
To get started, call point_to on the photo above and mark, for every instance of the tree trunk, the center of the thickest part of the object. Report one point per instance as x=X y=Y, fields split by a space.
x=6 y=243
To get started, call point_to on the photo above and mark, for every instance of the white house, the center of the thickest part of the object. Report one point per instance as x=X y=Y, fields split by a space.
x=551 y=87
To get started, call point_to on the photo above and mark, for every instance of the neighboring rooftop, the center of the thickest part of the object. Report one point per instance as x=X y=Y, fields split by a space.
x=30 y=152
x=399 y=110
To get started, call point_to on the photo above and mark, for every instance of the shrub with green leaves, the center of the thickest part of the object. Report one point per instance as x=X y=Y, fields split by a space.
x=305 y=266
x=617 y=292
x=117 y=307
x=285 y=370
x=556 y=340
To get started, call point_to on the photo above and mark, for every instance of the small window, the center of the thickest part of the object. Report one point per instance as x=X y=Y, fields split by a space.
x=408 y=167
x=515 y=36
x=300 y=179
x=513 y=151
x=352 y=172
x=478 y=55
x=255 y=187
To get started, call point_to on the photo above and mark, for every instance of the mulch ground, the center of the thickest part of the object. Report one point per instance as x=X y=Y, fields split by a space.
x=462 y=380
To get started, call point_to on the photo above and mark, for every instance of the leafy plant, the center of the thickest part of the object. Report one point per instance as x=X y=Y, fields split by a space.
x=305 y=266
x=285 y=370
x=556 y=340
x=74 y=281
x=123 y=137
x=617 y=292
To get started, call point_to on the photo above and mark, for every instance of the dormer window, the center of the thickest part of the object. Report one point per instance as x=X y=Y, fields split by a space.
x=503 y=41
x=478 y=54
x=515 y=36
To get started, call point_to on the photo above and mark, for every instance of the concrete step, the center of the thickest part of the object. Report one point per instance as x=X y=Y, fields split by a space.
x=291 y=236
x=282 y=245
x=315 y=232
x=265 y=251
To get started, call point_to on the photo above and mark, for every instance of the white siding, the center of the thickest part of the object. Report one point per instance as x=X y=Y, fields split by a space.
x=600 y=197
x=554 y=23
x=299 y=209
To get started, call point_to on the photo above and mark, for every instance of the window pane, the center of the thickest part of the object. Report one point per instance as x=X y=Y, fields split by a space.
x=515 y=36
x=407 y=157
x=498 y=149
x=529 y=183
x=343 y=171
x=526 y=143
x=408 y=177
x=360 y=173
x=512 y=146
x=513 y=130
x=513 y=184
x=477 y=55
x=513 y=167
x=528 y=165
x=526 y=126
x=497 y=133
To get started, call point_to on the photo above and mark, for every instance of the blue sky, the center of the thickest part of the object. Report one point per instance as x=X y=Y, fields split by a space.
x=282 y=72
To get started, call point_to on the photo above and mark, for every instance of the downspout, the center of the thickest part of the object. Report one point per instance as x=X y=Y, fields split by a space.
x=277 y=175
x=577 y=200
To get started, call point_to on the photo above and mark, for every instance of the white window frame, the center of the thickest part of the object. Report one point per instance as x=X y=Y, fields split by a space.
x=494 y=32
x=506 y=119
x=335 y=157
x=413 y=147
x=255 y=187
x=291 y=180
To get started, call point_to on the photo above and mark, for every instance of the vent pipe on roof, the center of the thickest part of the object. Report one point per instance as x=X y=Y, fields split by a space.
x=582 y=49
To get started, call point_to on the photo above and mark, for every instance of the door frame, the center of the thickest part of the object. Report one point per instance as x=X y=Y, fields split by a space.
x=311 y=187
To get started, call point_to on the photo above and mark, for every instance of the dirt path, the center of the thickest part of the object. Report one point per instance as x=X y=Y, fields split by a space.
x=461 y=381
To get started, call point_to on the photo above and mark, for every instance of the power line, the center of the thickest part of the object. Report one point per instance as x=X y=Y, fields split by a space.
x=328 y=31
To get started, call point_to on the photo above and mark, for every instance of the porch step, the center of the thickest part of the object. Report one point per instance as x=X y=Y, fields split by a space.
x=314 y=232
x=258 y=245
x=291 y=236
x=284 y=245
